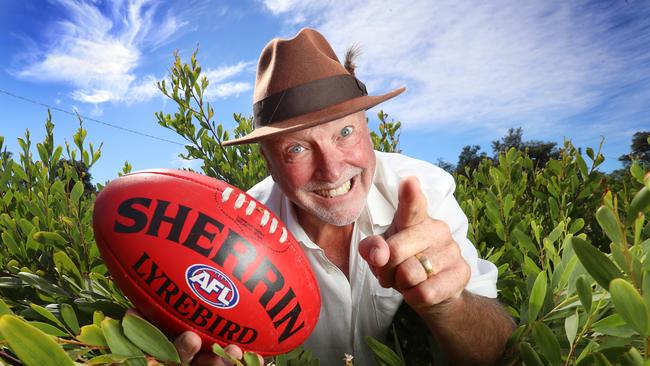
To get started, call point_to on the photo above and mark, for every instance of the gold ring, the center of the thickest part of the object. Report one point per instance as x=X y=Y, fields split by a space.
x=426 y=264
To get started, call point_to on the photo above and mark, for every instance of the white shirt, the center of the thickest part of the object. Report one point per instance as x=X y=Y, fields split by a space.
x=354 y=309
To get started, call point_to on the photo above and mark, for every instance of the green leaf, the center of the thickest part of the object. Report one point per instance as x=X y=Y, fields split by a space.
x=42 y=284
x=583 y=288
x=614 y=325
x=50 y=237
x=98 y=316
x=383 y=354
x=640 y=203
x=630 y=305
x=524 y=241
x=20 y=173
x=77 y=191
x=119 y=344
x=9 y=241
x=576 y=225
x=69 y=317
x=216 y=348
x=4 y=308
x=618 y=255
x=638 y=228
x=590 y=153
x=31 y=345
x=582 y=166
x=537 y=296
x=529 y=356
x=48 y=329
x=46 y=314
x=25 y=226
x=149 y=338
x=595 y=262
x=645 y=288
x=631 y=358
x=637 y=172
x=547 y=343
x=65 y=266
x=609 y=222
x=571 y=326
x=251 y=359
x=530 y=268
x=596 y=358
x=557 y=231
x=92 y=335
x=107 y=359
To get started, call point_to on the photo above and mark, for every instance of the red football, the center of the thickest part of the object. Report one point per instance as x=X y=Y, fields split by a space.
x=195 y=253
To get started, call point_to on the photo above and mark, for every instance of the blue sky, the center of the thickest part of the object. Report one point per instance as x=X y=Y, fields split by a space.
x=558 y=69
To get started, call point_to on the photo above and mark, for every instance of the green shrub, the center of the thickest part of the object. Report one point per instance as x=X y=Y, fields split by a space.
x=536 y=225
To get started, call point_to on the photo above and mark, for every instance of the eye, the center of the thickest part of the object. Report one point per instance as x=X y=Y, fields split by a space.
x=347 y=131
x=296 y=149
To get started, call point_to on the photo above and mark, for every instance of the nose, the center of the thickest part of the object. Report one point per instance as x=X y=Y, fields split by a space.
x=331 y=164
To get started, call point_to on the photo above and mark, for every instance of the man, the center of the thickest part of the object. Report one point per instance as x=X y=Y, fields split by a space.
x=377 y=228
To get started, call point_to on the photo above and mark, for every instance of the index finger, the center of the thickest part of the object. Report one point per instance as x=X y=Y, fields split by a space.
x=412 y=205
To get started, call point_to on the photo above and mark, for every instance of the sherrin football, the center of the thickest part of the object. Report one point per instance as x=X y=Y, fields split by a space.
x=195 y=253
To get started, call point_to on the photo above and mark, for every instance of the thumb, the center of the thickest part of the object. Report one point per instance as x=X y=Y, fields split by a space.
x=412 y=205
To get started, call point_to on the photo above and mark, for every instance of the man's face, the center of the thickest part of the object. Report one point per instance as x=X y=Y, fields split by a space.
x=326 y=170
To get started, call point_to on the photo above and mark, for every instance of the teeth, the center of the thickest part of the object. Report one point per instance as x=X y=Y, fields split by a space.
x=331 y=193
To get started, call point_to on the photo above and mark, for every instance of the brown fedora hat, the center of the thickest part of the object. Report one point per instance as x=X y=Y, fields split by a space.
x=301 y=83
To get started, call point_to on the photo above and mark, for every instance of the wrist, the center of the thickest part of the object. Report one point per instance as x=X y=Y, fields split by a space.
x=451 y=307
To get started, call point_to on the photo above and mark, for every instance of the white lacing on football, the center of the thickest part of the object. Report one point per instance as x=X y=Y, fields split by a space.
x=283 y=237
x=265 y=218
x=225 y=195
x=241 y=199
x=250 y=208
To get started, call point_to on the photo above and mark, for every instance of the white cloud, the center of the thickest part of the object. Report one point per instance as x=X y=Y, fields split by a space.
x=220 y=88
x=96 y=96
x=226 y=89
x=225 y=72
x=280 y=6
x=142 y=91
x=97 y=53
x=477 y=63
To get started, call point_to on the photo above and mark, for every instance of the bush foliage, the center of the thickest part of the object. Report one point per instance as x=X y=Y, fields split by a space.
x=570 y=244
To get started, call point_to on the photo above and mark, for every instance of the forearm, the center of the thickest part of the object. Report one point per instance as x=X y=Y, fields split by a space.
x=471 y=330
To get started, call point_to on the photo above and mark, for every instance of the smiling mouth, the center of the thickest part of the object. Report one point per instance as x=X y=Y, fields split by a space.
x=338 y=191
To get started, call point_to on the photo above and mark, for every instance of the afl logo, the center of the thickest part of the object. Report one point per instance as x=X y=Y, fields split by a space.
x=212 y=286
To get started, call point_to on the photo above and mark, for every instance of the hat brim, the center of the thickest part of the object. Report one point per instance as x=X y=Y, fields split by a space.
x=325 y=115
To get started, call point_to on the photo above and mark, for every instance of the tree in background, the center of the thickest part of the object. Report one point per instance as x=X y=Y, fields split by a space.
x=540 y=152
x=469 y=159
x=512 y=139
x=447 y=166
x=639 y=150
x=82 y=174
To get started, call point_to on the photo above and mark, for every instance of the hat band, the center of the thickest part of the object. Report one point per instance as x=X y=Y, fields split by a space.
x=306 y=98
